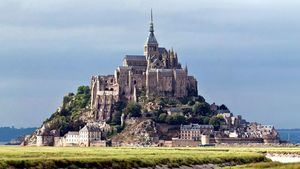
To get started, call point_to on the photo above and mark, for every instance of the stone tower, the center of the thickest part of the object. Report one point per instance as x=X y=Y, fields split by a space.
x=151 y=45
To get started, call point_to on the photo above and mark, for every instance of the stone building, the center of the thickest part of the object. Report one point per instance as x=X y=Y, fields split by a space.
x=71 y=138
x=92 y=134
x=195 y=131
x=156 y=73
x=45 y=137
x=89 y=134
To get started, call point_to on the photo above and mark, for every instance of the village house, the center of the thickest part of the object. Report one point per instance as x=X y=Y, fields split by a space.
x=45 y=137
x=71 y=138
x=195 y=131
x=89 y=135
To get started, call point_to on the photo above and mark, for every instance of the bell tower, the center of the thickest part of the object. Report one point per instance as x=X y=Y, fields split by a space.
x=151 y=45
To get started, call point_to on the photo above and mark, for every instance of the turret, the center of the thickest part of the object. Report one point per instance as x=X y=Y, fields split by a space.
x=186 y=69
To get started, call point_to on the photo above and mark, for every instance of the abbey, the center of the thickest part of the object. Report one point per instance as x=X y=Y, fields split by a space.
x=156 y=73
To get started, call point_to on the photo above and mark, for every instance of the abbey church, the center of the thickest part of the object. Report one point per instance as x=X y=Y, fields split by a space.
x=156 y=73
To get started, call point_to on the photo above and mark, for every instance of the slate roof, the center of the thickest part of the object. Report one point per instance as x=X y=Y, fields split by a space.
x=161 y=50
x=135 y=57
x=151 y=39
x=73 y=133
x=91 y=127
x=196 y=126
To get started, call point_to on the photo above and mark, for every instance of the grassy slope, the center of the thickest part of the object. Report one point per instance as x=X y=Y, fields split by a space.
x=51 y=157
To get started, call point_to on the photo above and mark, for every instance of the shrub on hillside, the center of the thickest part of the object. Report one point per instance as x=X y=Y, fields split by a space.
x=176 y=120
x=133 y=109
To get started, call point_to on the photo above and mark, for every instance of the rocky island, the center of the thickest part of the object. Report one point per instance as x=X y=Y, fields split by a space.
x=151 y=100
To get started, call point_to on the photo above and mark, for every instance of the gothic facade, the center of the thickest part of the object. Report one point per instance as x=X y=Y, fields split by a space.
x=156 y=73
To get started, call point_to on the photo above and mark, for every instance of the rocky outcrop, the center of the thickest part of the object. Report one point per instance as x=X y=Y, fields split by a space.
x=138 y=132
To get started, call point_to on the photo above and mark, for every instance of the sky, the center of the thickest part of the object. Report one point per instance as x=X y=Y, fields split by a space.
x=244 y=54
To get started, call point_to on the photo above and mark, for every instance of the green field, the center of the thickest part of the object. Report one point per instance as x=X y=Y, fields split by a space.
x=122 y=158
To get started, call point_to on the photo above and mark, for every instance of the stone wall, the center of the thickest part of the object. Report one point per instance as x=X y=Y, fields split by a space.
x=44 y=140
x=238 y=140
x=185 y=143
x=100 y=143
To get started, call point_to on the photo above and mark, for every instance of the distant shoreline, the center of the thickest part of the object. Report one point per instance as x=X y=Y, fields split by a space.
x=3 y=143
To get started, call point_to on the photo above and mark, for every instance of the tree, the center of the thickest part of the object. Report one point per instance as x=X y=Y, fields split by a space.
x=216 y=121
x=186 y=111
x=200 y=99
x=223 y=107
x=191 y=103
x=176 y=120
x=162 y=118
x=161 y=102
x=66 y=100
x=184 y=100
x=201 y=108
x=120 y=105
x=119 y=128
x=195 y=120
x=83 y=90
x=116 y=118
x=133 y=109
x=205 y=119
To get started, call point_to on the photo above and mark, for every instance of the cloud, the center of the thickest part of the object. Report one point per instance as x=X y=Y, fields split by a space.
x=238 y=50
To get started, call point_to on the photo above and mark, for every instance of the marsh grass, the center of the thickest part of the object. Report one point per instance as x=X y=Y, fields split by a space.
x=123 y=158
x=120 y=158
x=267 y=165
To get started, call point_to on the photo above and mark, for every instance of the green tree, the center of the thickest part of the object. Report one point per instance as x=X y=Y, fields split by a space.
x=119 y=128
x=120 y=105
x=200 y=99
x=83 y=90
x=201 y=108
x=66 y=100
x=216 y=121
x=195 y=120
x=162 y=118
x=133 y=109
x=184 y=100
x=191 y=103
x=116 y=118
x=176 y=120
x=223 y=107
x=205 y=119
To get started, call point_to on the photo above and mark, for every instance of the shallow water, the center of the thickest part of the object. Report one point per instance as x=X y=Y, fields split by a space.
x=284 y=158
x=293 y=136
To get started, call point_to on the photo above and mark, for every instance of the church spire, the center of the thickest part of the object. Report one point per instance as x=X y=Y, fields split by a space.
x=151 y=23
x=151 y=45
x=151 y=38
